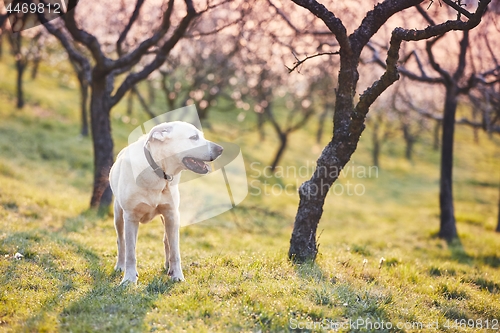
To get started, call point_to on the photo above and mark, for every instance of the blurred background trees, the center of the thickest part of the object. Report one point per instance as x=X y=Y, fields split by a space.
x=277 y=62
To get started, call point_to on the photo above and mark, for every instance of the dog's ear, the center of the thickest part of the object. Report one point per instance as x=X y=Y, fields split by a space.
x=161 y=133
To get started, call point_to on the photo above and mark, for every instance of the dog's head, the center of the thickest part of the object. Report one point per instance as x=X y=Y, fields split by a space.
x=182 y=144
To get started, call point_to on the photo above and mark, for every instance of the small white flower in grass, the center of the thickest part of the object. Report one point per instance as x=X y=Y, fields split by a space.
x=18 y=256
x=381 y=262
x=365 y=261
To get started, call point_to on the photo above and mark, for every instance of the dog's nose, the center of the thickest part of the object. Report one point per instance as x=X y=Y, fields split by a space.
x=216 y=150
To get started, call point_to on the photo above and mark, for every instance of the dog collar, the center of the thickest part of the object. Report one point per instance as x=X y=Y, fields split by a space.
x=156 y=168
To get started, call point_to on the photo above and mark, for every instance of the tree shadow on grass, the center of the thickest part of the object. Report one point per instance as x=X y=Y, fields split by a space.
x=310 y=270
x=109 y=307
x=83 y=296
x=459 y=254
x=369 y=303
x=87 y=218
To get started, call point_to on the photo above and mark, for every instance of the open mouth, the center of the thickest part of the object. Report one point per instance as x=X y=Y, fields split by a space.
x=195 y=165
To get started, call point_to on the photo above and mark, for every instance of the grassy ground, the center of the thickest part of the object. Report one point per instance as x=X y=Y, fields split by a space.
x=237 y=274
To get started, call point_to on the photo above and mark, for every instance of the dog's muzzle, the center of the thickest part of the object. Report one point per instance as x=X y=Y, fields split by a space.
x=215 y=151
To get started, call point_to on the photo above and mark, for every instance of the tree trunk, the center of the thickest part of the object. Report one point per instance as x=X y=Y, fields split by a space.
x=100 y=107
x=261 y=119
x=283 y=142
x=20 y=66
x=84 y=96
x=333 y=158
x=435 y=144
x=409 y=149
x=448 y=229
x=409 y=140
x=34 y=69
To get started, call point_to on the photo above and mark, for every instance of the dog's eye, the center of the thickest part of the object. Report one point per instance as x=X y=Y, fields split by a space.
x=194 y=137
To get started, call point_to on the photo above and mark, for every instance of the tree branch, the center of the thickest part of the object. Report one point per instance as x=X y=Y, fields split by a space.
x=375 y=18
x=83 y=37
x=398 y=36
x=405 y=72
x=73 y=53
x=292 y=26
x=160 y=58
x=424 y=14
x=298 y=62
x=464 y=43
x=333 y=23
x=125 y=31
x=458 y=8
x=135 y=56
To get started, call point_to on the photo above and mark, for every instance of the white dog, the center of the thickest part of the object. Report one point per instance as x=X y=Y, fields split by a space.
x=144 y=180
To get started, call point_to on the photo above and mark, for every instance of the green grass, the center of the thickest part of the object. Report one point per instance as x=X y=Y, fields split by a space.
x=238 y=278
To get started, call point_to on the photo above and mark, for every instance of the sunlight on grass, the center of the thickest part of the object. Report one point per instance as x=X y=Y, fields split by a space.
x=379 y=257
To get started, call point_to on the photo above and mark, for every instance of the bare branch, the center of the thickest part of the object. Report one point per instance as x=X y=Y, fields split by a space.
x=73 y=53
x=135 y=56
x=375 y=18
x=292 y=26
x=143 y=103
x=398 y=36
x=160 y=58
x=405 y=72
x=217 y=30
x=125 y=31
x=464 y=43
x=332 y=22
x=300 y=62
x=424 y=14
x=302 y=121
x=428 y=47
x=83 y=37
x=458 y=8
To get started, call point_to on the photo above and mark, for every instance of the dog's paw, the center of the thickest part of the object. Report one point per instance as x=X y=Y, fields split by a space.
x=129 y=279
x=176 y=276
x=119 y=268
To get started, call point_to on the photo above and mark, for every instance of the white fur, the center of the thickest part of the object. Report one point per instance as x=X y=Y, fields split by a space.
x=140 y=194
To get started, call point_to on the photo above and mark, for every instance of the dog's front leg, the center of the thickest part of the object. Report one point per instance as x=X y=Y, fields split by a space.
x=131 y=231
x=120 y=239
x=166 y=244
x=172 y=225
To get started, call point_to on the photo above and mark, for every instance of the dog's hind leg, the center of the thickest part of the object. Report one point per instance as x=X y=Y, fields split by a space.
x=120 y=239
x=172 y=225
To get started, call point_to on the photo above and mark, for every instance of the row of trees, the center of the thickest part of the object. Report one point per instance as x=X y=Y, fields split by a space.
x=229 y=50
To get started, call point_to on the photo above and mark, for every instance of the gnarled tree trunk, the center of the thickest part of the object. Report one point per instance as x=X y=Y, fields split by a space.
x=100 y=107
x=334 y=157
x=348 y=119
